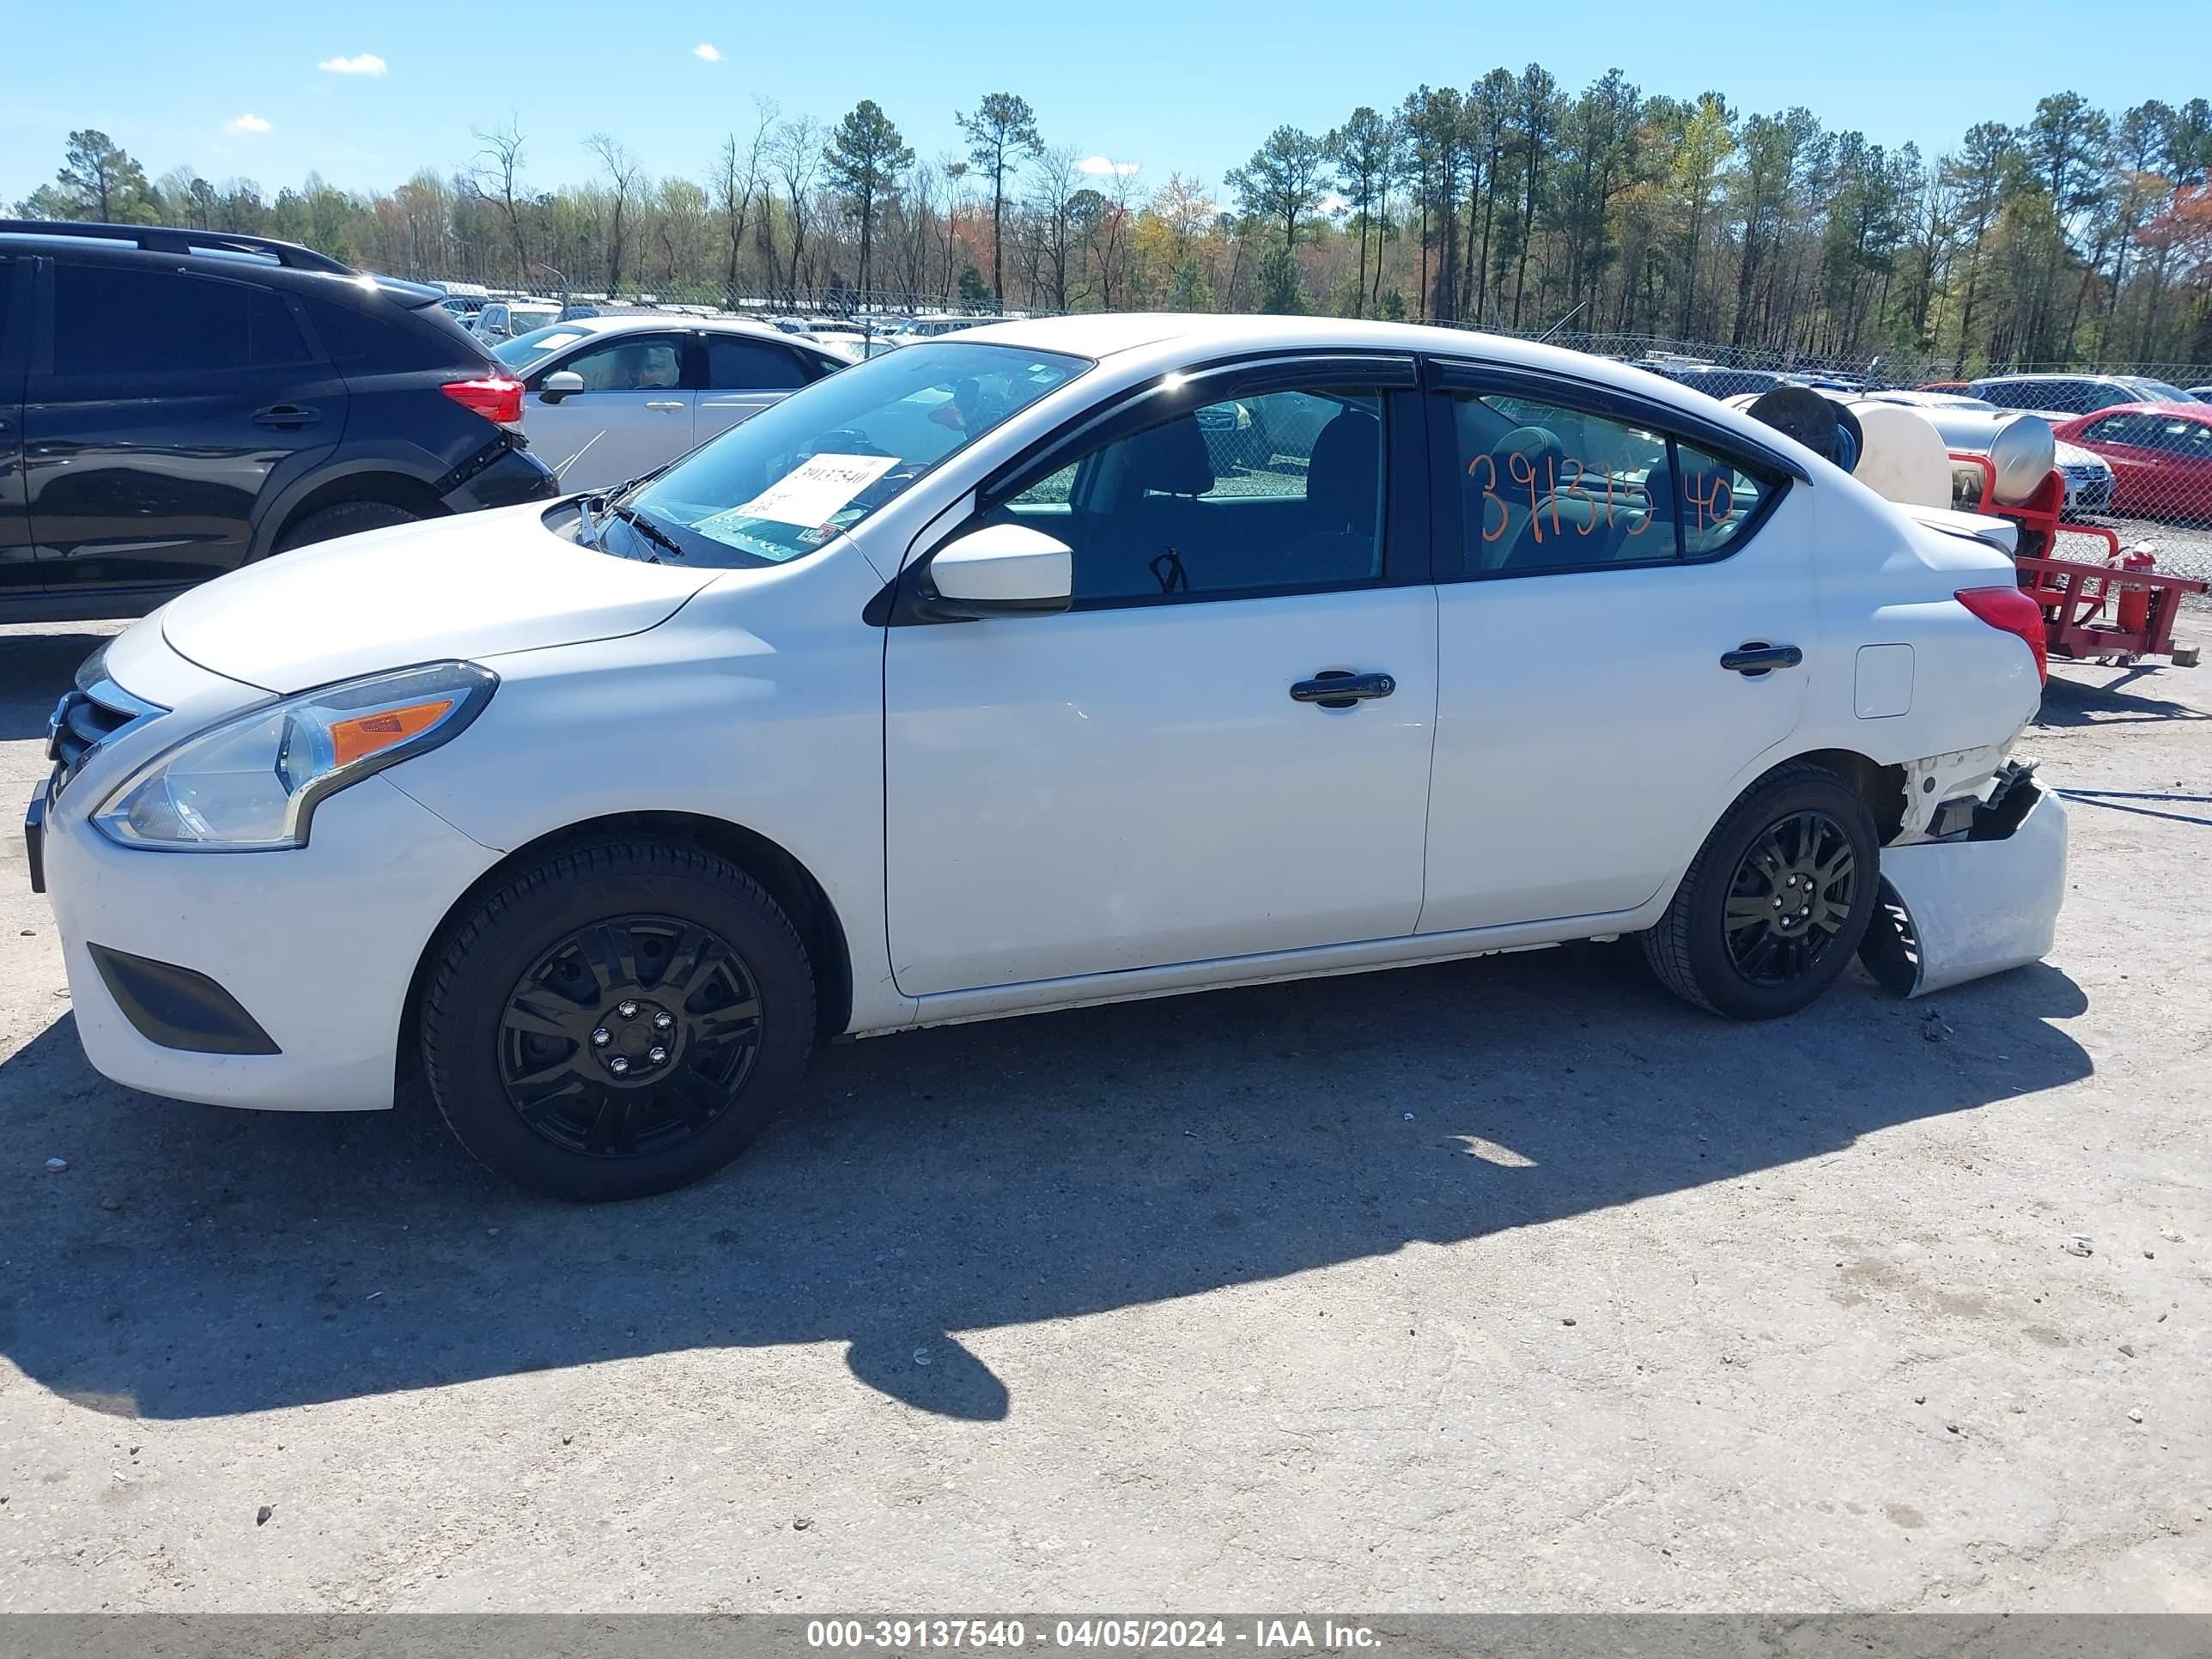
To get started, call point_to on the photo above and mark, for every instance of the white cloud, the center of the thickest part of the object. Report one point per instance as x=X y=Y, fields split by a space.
x=1333 y=204
x=707 y=52
x=367 y=63
x=1101 y=166
x=246 y=124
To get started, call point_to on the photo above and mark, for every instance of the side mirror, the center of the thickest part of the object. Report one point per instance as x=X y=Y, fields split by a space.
x=560 y=383
x=1000 y=570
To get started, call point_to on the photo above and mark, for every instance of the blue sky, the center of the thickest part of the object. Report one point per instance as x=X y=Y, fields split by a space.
x=264 y=91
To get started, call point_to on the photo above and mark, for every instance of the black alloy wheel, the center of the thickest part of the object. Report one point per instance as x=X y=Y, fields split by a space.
x=629 y=1036
x=1790 y=898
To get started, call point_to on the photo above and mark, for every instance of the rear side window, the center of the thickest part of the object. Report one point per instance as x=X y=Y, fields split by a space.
x=381 y=335
x=2181 y=437
x=1547 y=488
x=113 y=320
x=735 y=364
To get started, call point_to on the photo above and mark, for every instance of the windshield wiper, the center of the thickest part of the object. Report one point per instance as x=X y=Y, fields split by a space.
x=645 y=527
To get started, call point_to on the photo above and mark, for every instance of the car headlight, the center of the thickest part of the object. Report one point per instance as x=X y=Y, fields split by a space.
x=253 y=783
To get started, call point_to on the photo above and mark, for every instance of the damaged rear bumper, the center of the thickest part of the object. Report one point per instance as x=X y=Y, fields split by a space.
x=1977 y=904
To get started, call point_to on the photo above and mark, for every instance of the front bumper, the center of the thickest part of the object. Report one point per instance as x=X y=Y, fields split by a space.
x=1961 y=909
x=318 y=946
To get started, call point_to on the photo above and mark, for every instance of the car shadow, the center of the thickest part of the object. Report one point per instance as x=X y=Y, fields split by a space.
x=198 y=1262
x=35 y=670
x=2070 y=702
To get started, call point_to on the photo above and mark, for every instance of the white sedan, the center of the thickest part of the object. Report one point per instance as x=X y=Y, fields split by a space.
x=1058 y=662
x=606 y=399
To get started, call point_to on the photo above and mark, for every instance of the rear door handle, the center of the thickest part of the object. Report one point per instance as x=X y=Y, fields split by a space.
x=286 y=418
x=1760 y=659
x=665 y=405
x=1340 y=688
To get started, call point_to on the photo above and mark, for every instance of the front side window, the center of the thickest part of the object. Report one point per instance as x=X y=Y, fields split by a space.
x=2120 y=429
x=1276 y=492
x=634 y=362
x=526 y=351
x=112 y=320
x=1546 y=487
x=2182 y=437
x=818 y=462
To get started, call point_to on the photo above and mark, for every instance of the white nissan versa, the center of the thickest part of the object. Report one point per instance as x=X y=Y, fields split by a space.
x=1051 y=663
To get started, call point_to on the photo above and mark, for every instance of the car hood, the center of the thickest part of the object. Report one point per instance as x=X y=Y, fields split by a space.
x=472 y=586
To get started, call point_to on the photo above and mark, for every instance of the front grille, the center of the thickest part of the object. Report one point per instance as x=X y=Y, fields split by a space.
x=85 y=719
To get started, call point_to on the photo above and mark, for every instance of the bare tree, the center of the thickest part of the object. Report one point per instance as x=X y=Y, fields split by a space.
x=624 y=175
x=737 y=184
x=497 y=171
x=795 y=152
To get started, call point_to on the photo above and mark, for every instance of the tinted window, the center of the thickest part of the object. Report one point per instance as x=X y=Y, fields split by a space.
x=382 y=336
x=2178 y=437
x=736 y=364
x=1279 y=491
x=2120 y=429
x=1545 y=487
x=116 y=320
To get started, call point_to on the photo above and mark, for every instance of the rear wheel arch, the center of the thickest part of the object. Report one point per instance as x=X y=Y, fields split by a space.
x=398 y=490
x=1881 y=787
x=789 y=882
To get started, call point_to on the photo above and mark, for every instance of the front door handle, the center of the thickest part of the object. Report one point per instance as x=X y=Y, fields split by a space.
x=665 y=405
x=286 y=418
x=1761 y=659
x=1340 y=688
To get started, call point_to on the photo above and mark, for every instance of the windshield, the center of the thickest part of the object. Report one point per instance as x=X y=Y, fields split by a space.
x=2157 y=391
x=818 y=463
x=526 y=351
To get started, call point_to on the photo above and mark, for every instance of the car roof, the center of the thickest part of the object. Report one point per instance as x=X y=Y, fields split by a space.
x=2186 y=411
x=635 y=322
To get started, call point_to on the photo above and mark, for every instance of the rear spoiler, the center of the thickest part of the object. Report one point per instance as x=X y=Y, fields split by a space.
x=413 y=295
x=2000 y=534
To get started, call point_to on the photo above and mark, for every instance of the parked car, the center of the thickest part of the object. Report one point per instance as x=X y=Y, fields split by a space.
x=174 y=403
x=959 y=683
x=607 y=399
x=1718 y=379
x=2201 y=393
x=2059 y=396
x=2161 y=454
x=2088 y=477
x=504 y=319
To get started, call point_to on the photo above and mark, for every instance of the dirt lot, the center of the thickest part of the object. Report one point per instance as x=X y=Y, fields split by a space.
x=1510 y=1284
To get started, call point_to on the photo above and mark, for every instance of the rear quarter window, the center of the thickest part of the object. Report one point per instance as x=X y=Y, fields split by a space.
x=380 y=336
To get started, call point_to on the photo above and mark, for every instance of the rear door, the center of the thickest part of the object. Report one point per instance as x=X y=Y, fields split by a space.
x=1601 y=573
x=634 y=413
x=741 y=374
x=19 y=571
x=161 y=404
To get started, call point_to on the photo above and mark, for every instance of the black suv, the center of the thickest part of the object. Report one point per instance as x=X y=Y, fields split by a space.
x=174 y=403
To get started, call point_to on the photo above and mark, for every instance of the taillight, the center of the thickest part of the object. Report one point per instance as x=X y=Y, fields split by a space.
x=2012 y=612
x=498 y=397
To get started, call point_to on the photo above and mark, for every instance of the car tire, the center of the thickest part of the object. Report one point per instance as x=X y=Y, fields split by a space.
x=1801 y=835
x=620 y=1018
x=342 y=519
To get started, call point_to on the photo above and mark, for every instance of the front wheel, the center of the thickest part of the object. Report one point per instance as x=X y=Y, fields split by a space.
x=1775 y=904
x=620 y=1019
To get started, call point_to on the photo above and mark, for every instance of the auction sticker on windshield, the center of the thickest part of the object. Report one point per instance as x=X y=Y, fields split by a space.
x=813 y=491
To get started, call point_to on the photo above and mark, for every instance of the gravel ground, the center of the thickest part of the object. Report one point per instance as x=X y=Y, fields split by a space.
x=1505 y=1285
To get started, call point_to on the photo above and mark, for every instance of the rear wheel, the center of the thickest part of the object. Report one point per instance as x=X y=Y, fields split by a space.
x=342 y=519
x=1775 y=904
x=621 y=1020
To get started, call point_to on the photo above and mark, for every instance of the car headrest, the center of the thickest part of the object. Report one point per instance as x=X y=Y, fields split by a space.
x=1341 y=476
x=1172 y=459
x=1538 y=444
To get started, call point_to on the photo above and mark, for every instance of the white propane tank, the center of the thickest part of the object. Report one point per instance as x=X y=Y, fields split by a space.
x=1904 y=458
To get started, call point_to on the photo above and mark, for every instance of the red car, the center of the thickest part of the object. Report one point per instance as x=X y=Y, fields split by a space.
x=2160 y=455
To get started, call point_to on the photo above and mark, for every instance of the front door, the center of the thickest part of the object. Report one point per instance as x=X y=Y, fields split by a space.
x=634 y=415
x=1588 y=729
x=1146 y=779
x=164 y=404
